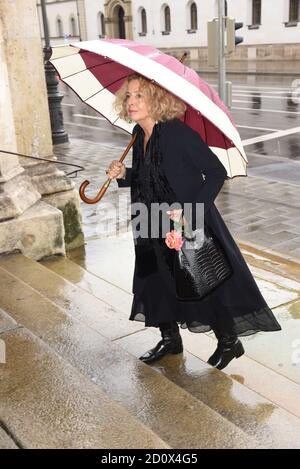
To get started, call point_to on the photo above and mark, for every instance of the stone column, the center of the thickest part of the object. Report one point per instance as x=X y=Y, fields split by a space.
x=82 y=19
x=128 y=19
x=128 y=27
x=26 y=223
x=16 y=190
x=26 y=129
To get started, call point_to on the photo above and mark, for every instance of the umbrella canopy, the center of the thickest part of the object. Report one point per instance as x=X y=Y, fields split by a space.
x=96 y=70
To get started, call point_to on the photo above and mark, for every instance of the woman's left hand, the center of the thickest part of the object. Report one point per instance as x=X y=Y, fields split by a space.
x=176 y=215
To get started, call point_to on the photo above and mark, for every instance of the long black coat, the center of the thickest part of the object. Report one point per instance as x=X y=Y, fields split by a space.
x=196 y=175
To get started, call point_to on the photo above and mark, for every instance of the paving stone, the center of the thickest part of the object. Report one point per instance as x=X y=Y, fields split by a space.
x=289 y=245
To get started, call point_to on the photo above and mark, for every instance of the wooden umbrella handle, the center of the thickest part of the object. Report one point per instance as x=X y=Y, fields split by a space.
x=105 y=186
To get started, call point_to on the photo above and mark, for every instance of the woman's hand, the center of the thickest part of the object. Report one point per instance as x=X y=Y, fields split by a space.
x=116 y=170
x=176 y=215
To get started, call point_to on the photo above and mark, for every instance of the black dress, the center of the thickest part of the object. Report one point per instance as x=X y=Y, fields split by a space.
x=237 y=305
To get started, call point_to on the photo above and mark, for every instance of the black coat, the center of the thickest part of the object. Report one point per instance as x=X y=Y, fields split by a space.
x=196 y=175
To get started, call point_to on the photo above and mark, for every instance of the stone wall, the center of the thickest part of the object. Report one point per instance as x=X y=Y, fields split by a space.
x=260 y=52
x=27 y=223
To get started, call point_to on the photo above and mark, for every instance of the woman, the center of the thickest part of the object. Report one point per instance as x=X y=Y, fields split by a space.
x=171 y=164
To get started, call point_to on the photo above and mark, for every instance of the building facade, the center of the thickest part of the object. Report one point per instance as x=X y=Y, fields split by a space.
x=269 y=32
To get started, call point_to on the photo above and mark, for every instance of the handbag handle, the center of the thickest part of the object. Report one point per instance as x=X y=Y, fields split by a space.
x=185 y=233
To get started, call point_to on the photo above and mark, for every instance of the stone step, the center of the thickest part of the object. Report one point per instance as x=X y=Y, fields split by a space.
x=100 y=288
x=276 y=387
x=269 y=262
x=280 y=390
x=7 y=322
x=178 y=418
x=271 y=425
x=45 y=402
x=268 y=435
x=95 y=312
x=273 y=277
x=5 y=441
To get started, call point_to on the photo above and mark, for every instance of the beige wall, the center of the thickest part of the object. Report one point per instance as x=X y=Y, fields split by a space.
x=111 y=18
x=82 y=20
x=7 y=126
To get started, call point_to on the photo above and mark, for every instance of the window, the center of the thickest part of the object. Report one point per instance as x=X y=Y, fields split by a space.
x=101 y=24
x=59 y=27
x=294 y=14
x=167 y=19
x=256 y=12
x=73 y=26
x=194 y=20
x=121 y=23
x=144 y=21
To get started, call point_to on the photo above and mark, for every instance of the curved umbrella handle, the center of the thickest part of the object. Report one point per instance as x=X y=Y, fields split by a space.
x=105 y=186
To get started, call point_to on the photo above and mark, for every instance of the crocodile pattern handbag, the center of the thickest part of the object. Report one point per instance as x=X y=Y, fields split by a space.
x=200 y=266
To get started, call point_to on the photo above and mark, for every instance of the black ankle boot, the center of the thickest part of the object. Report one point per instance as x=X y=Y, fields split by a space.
x=171 y=343
x=229 y=347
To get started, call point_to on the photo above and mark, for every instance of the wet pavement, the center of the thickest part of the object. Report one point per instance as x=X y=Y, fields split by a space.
x=75 y=380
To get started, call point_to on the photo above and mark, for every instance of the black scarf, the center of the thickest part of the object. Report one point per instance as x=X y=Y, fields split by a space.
x=148 y=181
x=153 y=176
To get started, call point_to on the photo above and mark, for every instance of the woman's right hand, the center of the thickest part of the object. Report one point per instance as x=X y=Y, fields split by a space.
x=116 y=170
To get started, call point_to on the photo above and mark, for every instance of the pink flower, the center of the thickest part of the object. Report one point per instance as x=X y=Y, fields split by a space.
x=174 y=240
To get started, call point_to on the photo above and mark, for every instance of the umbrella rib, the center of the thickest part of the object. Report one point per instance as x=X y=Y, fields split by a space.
x=89 y=68
x=205 y=133
x=105 y=87
x=229 y=162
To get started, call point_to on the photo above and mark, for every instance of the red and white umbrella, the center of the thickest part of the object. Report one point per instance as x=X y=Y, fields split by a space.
x=95 y=70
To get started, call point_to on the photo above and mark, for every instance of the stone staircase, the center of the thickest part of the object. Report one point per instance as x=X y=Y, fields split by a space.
x=72 y=378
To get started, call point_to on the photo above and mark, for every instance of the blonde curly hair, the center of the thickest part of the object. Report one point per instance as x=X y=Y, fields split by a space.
x=163 y=105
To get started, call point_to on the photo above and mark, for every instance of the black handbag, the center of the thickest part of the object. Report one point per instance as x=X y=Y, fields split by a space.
x=200 y=266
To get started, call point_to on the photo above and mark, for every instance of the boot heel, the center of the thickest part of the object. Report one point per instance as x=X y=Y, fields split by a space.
x=240 y=350
x=178 y=349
